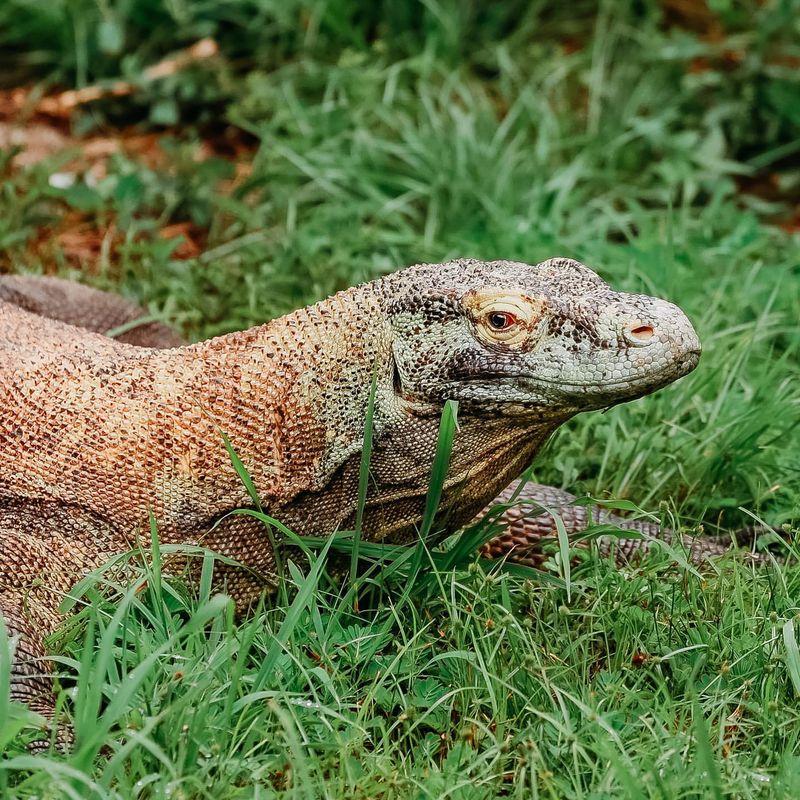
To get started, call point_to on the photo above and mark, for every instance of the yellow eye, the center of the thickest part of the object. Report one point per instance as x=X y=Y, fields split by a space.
x=501 y=320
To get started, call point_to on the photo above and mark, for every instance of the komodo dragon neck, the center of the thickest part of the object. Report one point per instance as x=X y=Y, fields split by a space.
x=142 y=429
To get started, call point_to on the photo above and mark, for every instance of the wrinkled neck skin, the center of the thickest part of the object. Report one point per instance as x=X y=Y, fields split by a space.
x=488 y=453
x=486 y=456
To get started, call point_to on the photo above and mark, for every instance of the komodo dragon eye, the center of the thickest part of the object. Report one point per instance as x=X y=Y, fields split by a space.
x=501 y=320
x=502 y=317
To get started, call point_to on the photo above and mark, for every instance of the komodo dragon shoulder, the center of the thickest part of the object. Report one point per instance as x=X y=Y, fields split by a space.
x=95 y=432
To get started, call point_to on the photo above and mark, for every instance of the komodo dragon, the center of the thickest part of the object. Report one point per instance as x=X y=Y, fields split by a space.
x=95 y=433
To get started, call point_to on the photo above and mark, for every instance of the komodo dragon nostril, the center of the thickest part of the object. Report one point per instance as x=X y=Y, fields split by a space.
x=639 y=335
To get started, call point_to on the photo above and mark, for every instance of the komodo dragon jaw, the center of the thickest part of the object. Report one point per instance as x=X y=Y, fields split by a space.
x=95 y=433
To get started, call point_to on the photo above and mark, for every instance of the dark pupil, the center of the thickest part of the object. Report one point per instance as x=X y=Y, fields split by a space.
x=498 y=320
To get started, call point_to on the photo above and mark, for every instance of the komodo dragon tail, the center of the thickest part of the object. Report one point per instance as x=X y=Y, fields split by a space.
x=529 y=525
x=70 y=302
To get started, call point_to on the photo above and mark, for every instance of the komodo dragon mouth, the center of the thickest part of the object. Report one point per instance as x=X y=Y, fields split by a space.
x=96 y=433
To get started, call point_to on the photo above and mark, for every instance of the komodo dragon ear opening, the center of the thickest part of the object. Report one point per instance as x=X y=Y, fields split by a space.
x=397 y=379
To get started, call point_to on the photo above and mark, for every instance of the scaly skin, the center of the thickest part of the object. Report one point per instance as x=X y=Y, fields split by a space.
x=528 y=525
x=95 y=433
x=87 y=308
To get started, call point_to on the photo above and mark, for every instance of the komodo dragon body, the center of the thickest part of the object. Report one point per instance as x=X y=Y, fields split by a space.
x=95 y=433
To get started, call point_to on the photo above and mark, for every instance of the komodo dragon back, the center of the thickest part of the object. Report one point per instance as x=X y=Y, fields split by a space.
x=95 y=433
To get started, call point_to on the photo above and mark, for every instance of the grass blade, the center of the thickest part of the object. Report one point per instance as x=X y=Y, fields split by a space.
x=304 y=594
x=441 y=463
x=363 y=474
x=792 y=655
x=704 y=755
x=241 y=471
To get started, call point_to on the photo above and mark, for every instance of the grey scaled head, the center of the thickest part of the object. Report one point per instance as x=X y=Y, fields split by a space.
x=506 y=336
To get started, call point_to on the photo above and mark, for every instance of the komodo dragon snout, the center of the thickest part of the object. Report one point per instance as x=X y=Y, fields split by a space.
x=507 y=335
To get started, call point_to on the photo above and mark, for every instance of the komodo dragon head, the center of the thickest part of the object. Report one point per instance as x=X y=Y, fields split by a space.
x=504 y=337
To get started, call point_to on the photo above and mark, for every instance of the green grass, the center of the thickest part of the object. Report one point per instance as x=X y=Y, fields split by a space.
x=385 y=134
